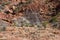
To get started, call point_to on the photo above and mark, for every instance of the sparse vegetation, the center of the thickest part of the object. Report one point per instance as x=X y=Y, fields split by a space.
x=45 y=23
x=5 y=3
x=54 y=19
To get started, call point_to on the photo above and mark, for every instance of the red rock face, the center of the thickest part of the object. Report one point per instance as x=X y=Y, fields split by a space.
x=39 y=6
x=2 y=16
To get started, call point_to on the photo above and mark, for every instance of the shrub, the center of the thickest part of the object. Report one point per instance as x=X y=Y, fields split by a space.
x=53 y=20
x=45 y=23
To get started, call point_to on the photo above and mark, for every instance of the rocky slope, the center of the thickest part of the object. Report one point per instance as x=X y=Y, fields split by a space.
x=29 y=19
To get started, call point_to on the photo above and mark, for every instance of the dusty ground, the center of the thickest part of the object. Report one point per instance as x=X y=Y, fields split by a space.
x=29 y=33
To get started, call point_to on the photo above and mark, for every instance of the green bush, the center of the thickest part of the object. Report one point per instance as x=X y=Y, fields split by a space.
x=45 y=23
x=54 y=19
x=5 y=3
